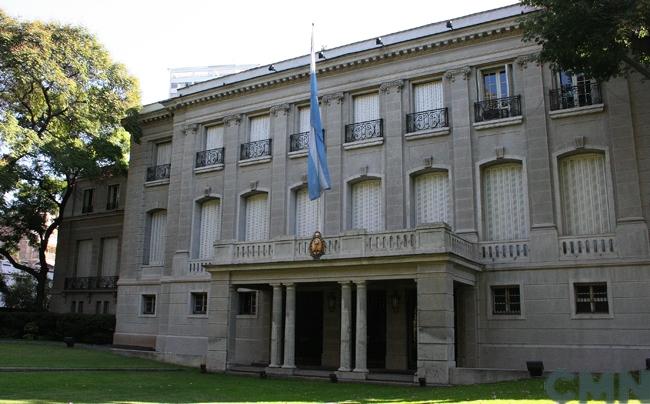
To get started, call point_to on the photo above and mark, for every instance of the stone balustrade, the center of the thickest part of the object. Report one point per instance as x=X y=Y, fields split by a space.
x=597 y=246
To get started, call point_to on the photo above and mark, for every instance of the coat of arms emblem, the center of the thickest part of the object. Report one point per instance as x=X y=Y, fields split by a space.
x=317 y=246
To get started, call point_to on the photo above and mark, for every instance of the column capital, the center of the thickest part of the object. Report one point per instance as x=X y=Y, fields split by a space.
x=289 y=284
x=276 y=285
x=523 y=60
x=232 y=120
x=345 y=283
x=335 y=97
x=388 y=86
x=190 y=129
x=360 y=283
x=280 y=110
x=462 y=72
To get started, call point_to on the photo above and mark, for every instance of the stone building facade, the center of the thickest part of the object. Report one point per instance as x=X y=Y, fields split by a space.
x=485 y=211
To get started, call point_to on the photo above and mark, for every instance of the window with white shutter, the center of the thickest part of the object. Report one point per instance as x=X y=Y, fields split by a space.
x=84 y=258
x=432 y=203
x=214 y=137
x=163 y=153
x=259 y=128
x=307 y=213
x=366 y=107
x=505 y=210
x=584 y=194
x=427 y=96
x=109 y=256
x=304 y=119
x=367 y=206
x=157 y=235
x=210 y=227
x=257 y=221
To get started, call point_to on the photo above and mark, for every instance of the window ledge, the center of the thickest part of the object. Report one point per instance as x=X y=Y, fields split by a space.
x=156 y=183
x=577 y=111
x=250 y=316
x=148 y=315
x=592 y=316
x=256 y=160
x=207 y=169
x=422 y=134
x=197 y=316
x=298 y=154
x=497 y=123
x=508 y=317
x=363 y=143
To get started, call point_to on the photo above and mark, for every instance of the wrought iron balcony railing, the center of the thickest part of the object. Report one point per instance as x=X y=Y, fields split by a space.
x=160 y=172
x=87 y=209
x=92 y=283
x=299 y=141
x=587 y=93
x=210 y=157
x=363 y=130
x=497 y=108
x=425 y=120
x=256 y=149
x=111 y=205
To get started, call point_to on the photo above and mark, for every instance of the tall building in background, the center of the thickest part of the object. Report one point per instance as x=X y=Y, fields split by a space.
x=186 y=76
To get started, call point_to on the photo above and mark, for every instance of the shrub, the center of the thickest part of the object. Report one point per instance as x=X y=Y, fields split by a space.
x=85 y=328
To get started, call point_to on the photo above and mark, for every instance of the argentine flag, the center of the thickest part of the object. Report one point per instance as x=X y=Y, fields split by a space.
x=318 y=175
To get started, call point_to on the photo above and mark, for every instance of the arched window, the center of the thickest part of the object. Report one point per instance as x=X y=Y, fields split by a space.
x=584 y=194
x=432 y=203
x=307 y=213
x=505 y=209
x=367 y=206
x=257 y=220
x=209 y=227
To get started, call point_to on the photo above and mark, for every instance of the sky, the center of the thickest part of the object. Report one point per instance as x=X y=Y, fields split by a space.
x=151 y=36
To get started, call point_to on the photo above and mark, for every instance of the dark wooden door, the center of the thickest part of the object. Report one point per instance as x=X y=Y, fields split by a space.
x=376 y=329
x=309 y=328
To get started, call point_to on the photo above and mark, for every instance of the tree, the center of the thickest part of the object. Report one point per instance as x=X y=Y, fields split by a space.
x=601 y=38
x=20 y=293
x=62 y=102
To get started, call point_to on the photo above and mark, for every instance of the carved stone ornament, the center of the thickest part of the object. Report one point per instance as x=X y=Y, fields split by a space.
x=363 y=171
x=500 y=152
x=232 y=120
x=190 y=129
x=207 y=191
x=523 y=60
x=580 y=142
x=280 y=110
x=395 y=84
x=253 y=185
x=462 y=72
x=304 y=178
x=428 y=161
x=336 y=97
x=317 y=246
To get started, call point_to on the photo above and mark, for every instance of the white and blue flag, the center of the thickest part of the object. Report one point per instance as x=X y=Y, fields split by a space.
x=318 y=174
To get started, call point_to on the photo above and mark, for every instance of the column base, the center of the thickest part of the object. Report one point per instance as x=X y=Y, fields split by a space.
x=344 y=370
x=274 y=366
x=280 y=371
x=356 y=370
x=351 y=375
x=288 y=367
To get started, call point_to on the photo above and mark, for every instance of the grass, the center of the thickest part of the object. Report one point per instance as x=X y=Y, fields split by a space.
x=190 y=386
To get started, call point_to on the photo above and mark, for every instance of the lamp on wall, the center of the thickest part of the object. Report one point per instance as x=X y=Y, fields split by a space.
x=394 y=301
x=331 y=302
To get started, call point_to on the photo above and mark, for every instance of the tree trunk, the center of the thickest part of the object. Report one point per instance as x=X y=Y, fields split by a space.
x=41 y=290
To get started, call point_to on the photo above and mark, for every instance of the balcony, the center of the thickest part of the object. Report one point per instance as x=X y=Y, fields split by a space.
x=427 y=120
x=505 y=110
x=91 y=283
x=583 y=95
x=254 y=152
x=158 y=173
x=433 y=239
x=363 y=134
x=111 y=205
x=209 y=158
x=299 y=141
x=586 y=247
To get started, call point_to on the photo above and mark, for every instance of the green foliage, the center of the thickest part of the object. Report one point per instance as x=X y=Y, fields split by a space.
x=86 y=328
x=20 y=294
x=602 y=38
x=62 y=104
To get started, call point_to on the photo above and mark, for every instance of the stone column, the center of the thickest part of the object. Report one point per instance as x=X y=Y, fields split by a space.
x=346 y=331
x=362 y=329
x=276 y=326
x=279 y=118
x=290 y=328
x=221 y=323
x=229 y=221
x=333 y=125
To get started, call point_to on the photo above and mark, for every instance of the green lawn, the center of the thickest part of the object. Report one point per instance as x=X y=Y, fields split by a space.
x=190 y=386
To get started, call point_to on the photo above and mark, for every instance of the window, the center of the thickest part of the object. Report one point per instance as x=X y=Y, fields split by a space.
x=210 y=227
x=304 y=119
x=584 y=194
x=109 y=258
x=259 y=128
x=163 y=153
x=574 y=90
x=157 y=232
x=307 y=213
x=148 y=304
x=247 y=302
x=506 y=300
x=98 y=307
x=367 y=206
x=199 y=302
x=88 y=200
x=106 y=307
x=495 y=83
x=366 y=107
x=73 y=306
x=257 y=221
x=505 y=209
x=162 y=165
x=80 y=307
x=213 y=137
x=591 y=298
x=84 y=258
x=427 y=96
x=432 y=203
x=113 y=199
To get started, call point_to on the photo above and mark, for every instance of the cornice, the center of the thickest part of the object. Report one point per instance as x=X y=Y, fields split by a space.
x=340 y=63
x=156 y=116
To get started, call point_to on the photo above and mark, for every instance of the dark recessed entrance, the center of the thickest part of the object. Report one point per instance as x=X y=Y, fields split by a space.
x=376 y=329
x=309 y=328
